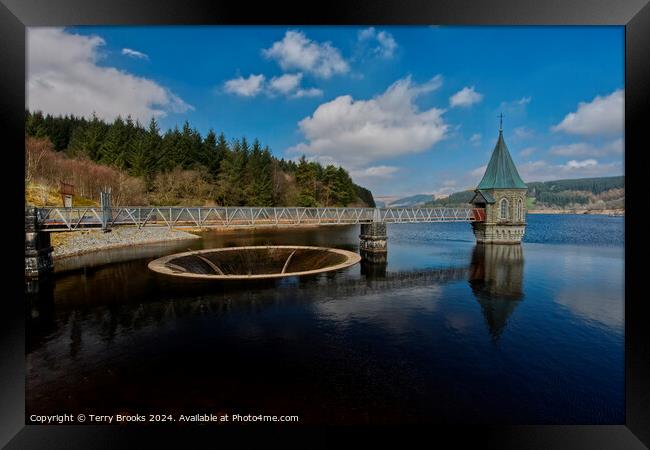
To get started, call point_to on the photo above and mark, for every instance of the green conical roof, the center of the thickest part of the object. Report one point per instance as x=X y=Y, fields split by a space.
x=501 y=172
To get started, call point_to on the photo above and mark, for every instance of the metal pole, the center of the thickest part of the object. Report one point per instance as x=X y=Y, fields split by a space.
x=105 y=199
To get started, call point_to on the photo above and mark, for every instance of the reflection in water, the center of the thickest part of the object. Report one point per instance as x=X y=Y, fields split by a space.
x=496 y=278
x=373 y=269
x=176 y=298
x=39 y=295
x=399 y=342
x=599 y=304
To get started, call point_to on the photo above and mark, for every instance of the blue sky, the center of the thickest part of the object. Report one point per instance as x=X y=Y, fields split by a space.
x=405 y=109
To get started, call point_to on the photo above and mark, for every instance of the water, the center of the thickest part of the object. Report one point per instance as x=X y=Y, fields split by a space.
x=445 y=332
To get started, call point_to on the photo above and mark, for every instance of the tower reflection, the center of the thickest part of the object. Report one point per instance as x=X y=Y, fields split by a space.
x=373 y=269
x=496 y=279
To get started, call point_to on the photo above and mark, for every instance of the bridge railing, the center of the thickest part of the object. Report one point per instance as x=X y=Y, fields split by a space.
x=57 y=218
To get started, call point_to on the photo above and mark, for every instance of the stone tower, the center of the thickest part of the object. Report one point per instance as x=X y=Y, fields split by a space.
x=502 y=193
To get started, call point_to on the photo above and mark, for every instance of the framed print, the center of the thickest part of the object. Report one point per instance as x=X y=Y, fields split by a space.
x=359 y=214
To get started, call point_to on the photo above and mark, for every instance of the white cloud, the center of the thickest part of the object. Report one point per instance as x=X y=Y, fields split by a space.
x=514 y=109
x=603 y=115
x=527 y=151
x=246 y=87
x=286 y=83
x=479 y=171
x=543 y=171
x=523 y=132
x=374 y=172
x=475 y=139
x=582 y=149
x=134 y=53
x=573 y=164
x=367 y=34
x=356 y=132
x=386 y=42
x=63 y=78
x=467 y=96
x=310 y=92
x=296 y=51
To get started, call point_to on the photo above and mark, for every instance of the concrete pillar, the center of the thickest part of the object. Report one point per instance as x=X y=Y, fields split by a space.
x=373 y=242
x=38 y=251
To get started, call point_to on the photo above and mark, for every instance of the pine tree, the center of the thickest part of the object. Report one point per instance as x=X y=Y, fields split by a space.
x=265 y=179
x=144 y=152
x=222 y=147
x=35 y=125
x=209 y=155
x=230 y=182
x=153 y=143
x=331 y=187
x=112 y=149
x=305 y=179
x=170 y=142
x=87 y=139
x=345 y=192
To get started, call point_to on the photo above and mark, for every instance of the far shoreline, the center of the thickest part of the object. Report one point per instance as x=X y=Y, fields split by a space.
x=597 y=212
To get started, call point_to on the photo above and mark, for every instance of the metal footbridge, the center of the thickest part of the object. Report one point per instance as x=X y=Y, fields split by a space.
x=80 y=218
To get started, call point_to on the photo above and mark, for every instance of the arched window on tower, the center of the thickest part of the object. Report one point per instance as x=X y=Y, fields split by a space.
x=520 y=210
x=503 y=206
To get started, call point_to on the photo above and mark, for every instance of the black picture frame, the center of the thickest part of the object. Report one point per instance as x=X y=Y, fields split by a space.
x=15 y=15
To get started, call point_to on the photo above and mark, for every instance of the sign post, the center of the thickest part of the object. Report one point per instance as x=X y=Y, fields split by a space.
x=67 y=191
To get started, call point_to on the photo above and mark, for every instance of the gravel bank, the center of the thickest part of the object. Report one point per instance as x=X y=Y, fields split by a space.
x=78 y=242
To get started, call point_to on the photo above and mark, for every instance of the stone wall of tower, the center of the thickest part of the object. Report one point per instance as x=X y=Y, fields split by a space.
x=489 y=233
x=496 y=230
x=493 y=210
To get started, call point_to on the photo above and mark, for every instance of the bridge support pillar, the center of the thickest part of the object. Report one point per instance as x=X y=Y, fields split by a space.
x=38 y=251
x=373 y=242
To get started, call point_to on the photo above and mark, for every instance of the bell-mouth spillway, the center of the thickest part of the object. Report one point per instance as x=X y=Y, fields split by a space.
x=254 y=262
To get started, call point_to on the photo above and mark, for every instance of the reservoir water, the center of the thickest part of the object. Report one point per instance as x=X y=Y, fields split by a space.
x=445 y=332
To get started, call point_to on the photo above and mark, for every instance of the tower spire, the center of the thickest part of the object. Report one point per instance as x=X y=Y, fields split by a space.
x=500 y=116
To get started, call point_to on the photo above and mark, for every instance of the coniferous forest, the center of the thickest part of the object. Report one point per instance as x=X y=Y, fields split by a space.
x=142 y=164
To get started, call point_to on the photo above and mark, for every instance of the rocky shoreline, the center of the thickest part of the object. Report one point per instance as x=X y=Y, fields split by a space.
x=80 y=242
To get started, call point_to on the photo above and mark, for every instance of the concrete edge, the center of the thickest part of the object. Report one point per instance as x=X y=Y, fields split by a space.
x=159 y=265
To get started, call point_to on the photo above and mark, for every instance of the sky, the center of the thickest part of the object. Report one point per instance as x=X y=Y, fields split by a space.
x=406 y=110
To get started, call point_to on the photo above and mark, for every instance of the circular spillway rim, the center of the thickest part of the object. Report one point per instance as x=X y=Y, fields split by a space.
x=160 y=265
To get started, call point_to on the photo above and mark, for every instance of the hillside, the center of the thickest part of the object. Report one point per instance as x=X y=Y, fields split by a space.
x=408 y=202
x=604 y=193
x=143 y=166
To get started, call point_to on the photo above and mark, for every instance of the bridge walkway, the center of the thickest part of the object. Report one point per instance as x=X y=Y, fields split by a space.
x=75 y=218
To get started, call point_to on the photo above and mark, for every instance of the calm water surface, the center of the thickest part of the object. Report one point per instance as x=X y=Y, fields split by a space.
x=446 y=331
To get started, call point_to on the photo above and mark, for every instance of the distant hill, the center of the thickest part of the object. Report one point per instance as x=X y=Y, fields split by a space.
x=411 y=201
x=580 y=193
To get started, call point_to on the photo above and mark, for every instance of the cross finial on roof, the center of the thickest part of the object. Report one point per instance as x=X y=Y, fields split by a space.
x=500 y=116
